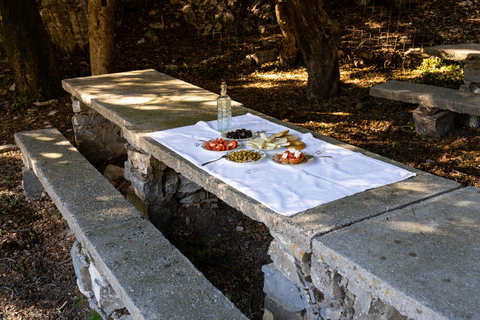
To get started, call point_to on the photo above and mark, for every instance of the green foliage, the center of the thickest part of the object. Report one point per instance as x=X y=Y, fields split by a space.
x=21 y=102
x=6 y=203
x=434 y=71
x=94 y=316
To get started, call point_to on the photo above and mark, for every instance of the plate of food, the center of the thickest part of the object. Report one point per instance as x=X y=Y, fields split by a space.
x=239 y=134
x=241 y=155
x=221 y=144
x=291 y=157
x=275 y=141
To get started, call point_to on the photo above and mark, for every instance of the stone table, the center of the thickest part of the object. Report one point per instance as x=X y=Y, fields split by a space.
x=143 y=101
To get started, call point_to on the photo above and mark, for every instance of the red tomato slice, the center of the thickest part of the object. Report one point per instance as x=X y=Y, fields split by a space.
x=232 y=144
x=208 y=145
x=220 y=140
x=219 y=147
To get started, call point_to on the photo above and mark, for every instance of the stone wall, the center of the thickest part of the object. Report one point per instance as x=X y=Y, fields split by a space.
x=301 y=286
x=225 y=16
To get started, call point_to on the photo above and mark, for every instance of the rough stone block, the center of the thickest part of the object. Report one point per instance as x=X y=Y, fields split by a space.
x=327 y=280
x=186 y=187
x=434 y=125
x=171 y=181
x=286 y=263
x=87 y=119
x=471 y=71
x=80 y=265
x=193 y=198
x=79 y=106
x=274 y=311
x=31 y=185
x=145 y=163
x=113 y=173
x=106 y=297
x=101 y=142
x=281 y=290
x=288 y=245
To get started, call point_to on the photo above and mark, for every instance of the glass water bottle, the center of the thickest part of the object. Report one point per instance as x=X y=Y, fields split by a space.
x=224 y=109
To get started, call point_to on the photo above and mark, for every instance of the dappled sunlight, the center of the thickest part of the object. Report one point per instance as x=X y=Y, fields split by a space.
x=45 y=138
x=412 y=227
x=281 y=76
x=51 y=155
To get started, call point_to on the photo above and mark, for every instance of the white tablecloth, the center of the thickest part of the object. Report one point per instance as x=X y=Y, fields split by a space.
x=286 y=190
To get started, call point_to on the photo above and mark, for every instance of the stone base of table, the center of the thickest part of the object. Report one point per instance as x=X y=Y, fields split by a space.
x=432 y=122
x=98 y=139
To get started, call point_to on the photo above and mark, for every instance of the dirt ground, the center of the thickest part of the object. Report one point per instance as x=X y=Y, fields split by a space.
x=37 y=280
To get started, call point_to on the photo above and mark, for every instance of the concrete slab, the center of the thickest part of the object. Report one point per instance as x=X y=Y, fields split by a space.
x=423 y=259
x=154 y=280
x=86 y=199
x=429 y=96
x=146 y=99
x=455 y=52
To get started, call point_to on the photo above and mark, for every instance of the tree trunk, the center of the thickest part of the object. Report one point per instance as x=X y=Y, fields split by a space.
x=66 y=22
x=101 y=34
x=289 y=52
x=318 y=39
x=28 y=48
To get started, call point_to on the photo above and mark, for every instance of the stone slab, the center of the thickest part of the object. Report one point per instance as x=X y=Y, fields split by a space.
x=429 y=96
x=422 y=259
x=83 y=195
x=146 y=99
x=153 y=278
x=455 y=52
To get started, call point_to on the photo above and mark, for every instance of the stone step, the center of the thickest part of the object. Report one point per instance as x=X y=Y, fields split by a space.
x=422 y=260
x=151 y=278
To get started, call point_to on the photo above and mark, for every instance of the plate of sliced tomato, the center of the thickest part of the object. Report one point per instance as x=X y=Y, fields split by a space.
x=220 y=144
x=290 y=159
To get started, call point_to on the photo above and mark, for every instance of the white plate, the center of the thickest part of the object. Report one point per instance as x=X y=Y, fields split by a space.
x=254 y=134
x=274 y=140
x=263 y=155
x=308 y=158
x=239 y=146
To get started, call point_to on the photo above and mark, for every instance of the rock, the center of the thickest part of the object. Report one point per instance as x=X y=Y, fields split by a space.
x=150 y=36
x=113 y=173
x=12 y=88
x=53 y=112
x=158 y=25
x=433 y=123
x=45 y=103
x=264 y=56
x=141 y=41
x=31 y=185
x=8 y=147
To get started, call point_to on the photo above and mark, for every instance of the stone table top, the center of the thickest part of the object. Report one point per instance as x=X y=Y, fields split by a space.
x=456 y=52
x=422 y=259
x=145 y=101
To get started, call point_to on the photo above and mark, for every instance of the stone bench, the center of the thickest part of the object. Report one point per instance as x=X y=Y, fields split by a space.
x=438 y=106
x=422 y=260
x=123 y=263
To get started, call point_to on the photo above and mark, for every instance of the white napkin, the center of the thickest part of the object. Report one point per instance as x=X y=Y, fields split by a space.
x=286 y=190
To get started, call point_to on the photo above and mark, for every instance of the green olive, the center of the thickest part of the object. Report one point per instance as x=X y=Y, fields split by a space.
x=242 y=155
